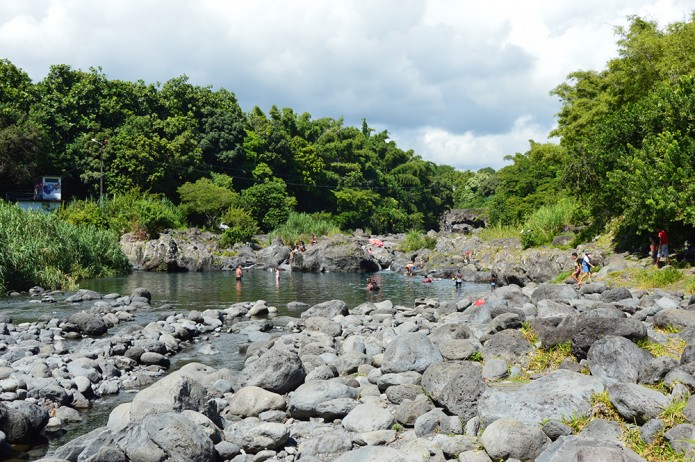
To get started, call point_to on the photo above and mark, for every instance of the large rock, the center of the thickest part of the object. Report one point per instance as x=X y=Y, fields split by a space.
x=335 y=255
x=367 y=418
x=559 y=394
x=553 y=292
x=577 y=448
x=637 y=403
x=251 y=401
x=681 y=319
x=253 y=436
x=410 y=352
x=617 y=359
x=304 y=402
x=21 y=421
x=329 y=309
x=589 y=330
x=455 y=386
x=276 y=371
x=509 y=438
x=184 y=389
x=89 y=323
x=373 y=454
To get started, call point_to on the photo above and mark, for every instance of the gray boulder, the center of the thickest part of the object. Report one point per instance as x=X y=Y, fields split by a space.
x=368 y=417
x=326 y=443
x=508 y=345
x=617 y=359
x=681 y=439
x=455 y=386
x=253 y=436
x=509 y=438
x=615 y=295
x=276 y=371
x=680 y=319
x=558 y=394
x=329 y=309
x=89 y=323
x=589 y=330
x=553 y=292
x=576 y=448
x=251 y=401
x=373 y=454
x=304 y=401
x=410 y=352
x=637 y=403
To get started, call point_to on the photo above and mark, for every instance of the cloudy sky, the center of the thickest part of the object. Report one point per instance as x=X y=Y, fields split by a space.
x=461 y=83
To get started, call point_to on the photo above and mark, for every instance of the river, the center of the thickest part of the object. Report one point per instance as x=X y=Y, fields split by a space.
x=218 y=290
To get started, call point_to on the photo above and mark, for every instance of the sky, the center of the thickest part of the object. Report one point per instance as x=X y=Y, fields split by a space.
x=461 y=83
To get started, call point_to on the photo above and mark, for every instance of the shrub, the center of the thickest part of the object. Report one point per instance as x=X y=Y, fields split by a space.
x=137 y=212
x=415 y=241
x=657 y=277
x=241 y=227
x=545 y=223
x=203 y=202
x=41 y=249
x=301 y=226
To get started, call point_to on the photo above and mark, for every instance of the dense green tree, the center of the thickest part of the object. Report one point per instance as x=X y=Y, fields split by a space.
x=204 y=202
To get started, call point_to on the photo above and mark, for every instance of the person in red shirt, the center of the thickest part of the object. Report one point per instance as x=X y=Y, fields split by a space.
x=663 y=247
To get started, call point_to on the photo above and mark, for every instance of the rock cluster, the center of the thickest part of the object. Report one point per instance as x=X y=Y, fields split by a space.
x=396 y=383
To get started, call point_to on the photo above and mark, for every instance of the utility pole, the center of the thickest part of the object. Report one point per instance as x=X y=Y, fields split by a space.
x=101 y=168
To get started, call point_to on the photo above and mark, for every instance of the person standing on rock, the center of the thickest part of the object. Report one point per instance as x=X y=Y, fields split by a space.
x=663 y=247
x=586 y=267
x=577 y=268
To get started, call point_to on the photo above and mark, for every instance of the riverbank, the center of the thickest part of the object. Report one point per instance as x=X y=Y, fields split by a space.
x=544 y=372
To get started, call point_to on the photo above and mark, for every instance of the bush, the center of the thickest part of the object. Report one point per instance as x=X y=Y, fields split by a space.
x=143 y=213
x=41 y=249
x=545 y=223
x=301 y=226
x=242 y=227
x=658 y=277
x=415 y=241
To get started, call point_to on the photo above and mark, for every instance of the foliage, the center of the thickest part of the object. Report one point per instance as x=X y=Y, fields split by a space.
x=476 y=356
x=241 y=227
x=140 y=213
x=657 y=277
x=302 y=226
x=415 y=241
x=673 y=347
x=498 y=231
x=40 y=249
x=203 y=201
x=545 y=223
x=543 y=359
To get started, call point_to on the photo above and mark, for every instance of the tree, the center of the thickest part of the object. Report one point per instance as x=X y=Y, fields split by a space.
x=267 y=200
x=203 y=202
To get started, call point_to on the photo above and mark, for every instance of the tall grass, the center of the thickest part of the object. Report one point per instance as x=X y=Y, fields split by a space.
x=545 y=223
x=414 y=240
x=301 y=226
x=41 y=249
x=142 y=213
x=490 y=233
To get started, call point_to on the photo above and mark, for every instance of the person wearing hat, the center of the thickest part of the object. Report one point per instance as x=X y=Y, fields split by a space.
x=586 y=267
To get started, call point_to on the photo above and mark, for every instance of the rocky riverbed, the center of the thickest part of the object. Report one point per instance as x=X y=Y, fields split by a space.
x=435 y=381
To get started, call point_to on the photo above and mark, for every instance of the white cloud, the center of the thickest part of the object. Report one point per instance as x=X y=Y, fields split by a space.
x=462 y=83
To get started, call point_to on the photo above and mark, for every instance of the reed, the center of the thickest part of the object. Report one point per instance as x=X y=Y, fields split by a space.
x=37 y=248
x=301 y=226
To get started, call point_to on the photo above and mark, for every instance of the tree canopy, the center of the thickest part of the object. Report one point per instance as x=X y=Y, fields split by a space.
x=625 y=148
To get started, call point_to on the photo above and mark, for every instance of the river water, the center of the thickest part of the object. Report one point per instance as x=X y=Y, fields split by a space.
x=218 y=290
